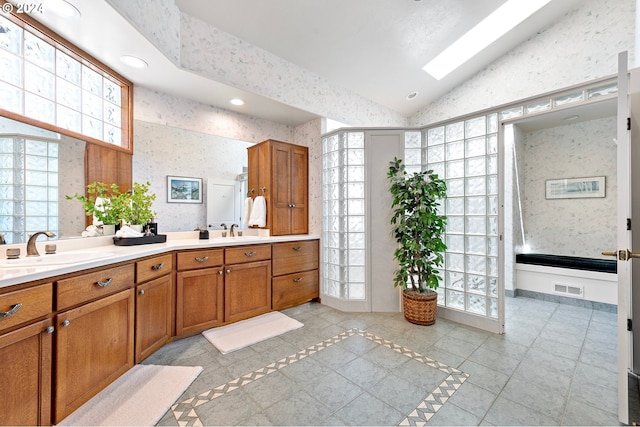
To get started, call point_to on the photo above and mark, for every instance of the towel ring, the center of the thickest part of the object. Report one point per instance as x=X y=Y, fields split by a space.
x=263 y=190
x=250 y=192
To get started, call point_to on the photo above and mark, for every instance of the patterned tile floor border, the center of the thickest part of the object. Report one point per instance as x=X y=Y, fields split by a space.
x=185 y=414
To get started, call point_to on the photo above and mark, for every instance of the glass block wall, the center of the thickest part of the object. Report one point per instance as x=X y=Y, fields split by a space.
x=343 y=205
x=28 y=187
x=39 y=81
x=465 y=154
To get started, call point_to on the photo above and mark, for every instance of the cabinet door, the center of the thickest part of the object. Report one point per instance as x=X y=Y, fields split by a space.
x=25 y=373
x=299 y=216
x=247 y=290
x=281 y=189
x=153 y=316
x=94 y=346
x=199 y=295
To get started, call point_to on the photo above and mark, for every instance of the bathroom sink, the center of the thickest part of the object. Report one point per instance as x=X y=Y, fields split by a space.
x=235 y=239
x=53 y=259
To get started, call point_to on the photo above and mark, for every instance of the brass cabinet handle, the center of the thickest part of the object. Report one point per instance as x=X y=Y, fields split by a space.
x=297 y=279
x=105 y=283
x=252 y=253
x=297 y=248
x=157 y=267
x=66 y=323
x=14 y=310
x=198 y=259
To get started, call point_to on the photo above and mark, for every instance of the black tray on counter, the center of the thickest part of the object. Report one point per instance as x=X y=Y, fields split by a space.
x=144 y=240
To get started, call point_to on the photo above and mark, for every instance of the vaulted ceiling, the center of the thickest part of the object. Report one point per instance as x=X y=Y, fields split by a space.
x=374 y=49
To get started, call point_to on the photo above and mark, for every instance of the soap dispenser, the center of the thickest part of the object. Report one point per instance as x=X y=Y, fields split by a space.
x=204 y=233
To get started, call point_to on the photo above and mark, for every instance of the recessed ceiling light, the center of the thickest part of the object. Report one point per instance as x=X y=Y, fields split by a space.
x=62 y=8
x=487 y=31
x=133 y=61
x=236 y=101
x=412 y=95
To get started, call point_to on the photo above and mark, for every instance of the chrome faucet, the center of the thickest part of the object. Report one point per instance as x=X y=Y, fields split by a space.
x=31 y=244
x=231 y=232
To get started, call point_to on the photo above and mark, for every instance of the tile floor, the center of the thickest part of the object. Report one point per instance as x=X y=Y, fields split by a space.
x=556 y=365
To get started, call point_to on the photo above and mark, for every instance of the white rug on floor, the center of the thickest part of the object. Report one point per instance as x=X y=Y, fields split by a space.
x=140 y=397
x=246 y=332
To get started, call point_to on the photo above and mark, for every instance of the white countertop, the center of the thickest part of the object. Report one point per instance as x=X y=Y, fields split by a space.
x=107 y=253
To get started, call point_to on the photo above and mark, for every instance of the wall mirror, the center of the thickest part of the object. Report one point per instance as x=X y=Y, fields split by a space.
x=38 y=167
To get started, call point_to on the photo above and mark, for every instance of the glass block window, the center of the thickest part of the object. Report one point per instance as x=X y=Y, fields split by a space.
x=42 y=82
x=28 y=187
x=343 y=205
x=465 y=154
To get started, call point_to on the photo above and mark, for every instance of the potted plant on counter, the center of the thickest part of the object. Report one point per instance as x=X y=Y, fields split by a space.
x=418 y=228
x=139 y=210
x=105 y=203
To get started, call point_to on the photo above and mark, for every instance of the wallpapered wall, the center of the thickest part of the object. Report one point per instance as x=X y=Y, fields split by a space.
x=576 y=227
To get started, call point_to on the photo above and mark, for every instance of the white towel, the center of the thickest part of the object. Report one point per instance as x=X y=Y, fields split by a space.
x=258 y=212
x=248 y=204
x=126 y=231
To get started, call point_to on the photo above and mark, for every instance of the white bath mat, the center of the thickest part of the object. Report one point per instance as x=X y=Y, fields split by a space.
x=140 y=397
x=246 y=332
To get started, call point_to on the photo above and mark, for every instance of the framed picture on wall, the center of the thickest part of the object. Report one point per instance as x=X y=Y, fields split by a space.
x=181 y=189
x=575 y=188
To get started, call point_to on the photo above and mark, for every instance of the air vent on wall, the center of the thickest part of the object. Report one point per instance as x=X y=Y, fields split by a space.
x=574 y=291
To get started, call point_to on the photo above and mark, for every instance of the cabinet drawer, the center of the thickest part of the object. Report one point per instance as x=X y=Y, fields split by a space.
x=87 y=287
x=289 y=257
x=200 y=259
x=237 y=255
x=154 y=267
x=294 y=289
x=25 y=305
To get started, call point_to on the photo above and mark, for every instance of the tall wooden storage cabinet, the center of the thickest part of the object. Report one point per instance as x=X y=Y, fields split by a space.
x=279 y=170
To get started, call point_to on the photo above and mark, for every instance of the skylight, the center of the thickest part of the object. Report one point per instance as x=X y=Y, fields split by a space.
x=487 y=31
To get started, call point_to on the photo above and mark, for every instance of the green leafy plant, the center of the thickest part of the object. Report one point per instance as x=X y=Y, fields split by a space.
x=113 y=205
x=139 y=209
x=417 y=226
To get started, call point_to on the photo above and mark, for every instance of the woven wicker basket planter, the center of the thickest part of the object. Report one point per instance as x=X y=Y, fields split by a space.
x=420 y=308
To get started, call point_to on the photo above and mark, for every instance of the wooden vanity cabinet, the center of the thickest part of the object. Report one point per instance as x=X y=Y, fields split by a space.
x=295 y=273
x=25 y=356
x=94 y=338
x=247 y=290
x=282 y=169
x=154 y=303
x=199 y=290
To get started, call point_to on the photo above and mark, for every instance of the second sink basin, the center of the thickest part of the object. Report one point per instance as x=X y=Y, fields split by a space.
x=53 y=259
x=235 y=239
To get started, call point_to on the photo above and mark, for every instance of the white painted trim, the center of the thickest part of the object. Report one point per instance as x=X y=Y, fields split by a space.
x=598 y=286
